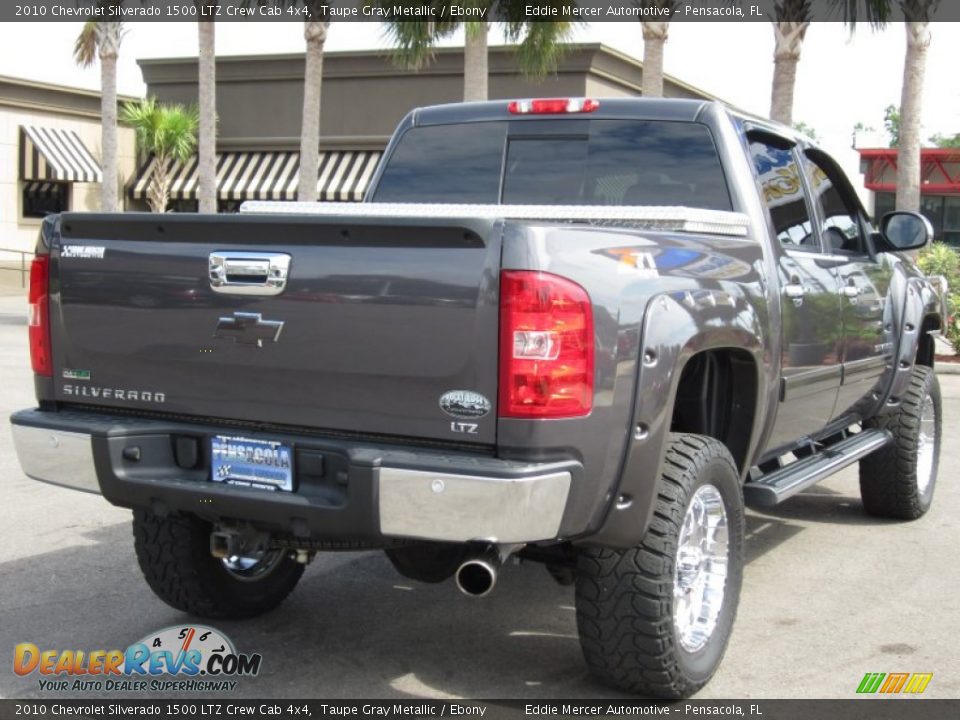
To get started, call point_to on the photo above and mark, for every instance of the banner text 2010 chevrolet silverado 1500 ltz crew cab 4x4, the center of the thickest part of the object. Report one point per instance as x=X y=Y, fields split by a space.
x=585 y=332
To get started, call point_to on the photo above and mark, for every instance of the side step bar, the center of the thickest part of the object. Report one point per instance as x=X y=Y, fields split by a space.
x=775 y=487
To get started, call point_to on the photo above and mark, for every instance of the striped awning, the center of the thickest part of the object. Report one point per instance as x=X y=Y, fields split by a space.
x=42 y=189
x=55 y=154
x=343 y=176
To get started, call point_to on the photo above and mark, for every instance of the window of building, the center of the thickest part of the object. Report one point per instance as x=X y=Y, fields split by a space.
x=183 y=206
x=883 y=203
x=42 y=198
x=951 y=220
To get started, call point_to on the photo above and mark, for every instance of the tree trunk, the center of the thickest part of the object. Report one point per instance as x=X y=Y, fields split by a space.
x=788 y=37
x=911 y=102
x=207 y=141
x=654 y=39
x=158 y=191
x=475 y=61
x=109 y=43
x=315 y=33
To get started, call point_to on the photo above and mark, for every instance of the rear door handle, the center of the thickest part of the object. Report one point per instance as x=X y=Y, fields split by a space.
x=248 y=273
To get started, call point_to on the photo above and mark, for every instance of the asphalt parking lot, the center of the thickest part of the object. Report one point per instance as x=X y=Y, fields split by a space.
x=829 y=594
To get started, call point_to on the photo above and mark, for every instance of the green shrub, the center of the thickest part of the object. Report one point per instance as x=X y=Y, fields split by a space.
x=941 y=259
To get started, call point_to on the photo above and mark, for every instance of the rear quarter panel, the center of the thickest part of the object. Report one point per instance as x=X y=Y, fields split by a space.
x=658 y=298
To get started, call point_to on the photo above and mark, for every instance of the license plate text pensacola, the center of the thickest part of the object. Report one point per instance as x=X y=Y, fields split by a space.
x=262 y=464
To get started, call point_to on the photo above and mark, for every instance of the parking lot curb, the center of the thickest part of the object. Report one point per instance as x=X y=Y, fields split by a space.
x=943 y=368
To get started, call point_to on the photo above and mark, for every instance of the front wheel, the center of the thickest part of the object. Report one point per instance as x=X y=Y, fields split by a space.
x=656 y=619
x=897 y=481
x=174 y=555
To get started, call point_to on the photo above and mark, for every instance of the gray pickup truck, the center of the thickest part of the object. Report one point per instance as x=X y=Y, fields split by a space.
x=583 y=333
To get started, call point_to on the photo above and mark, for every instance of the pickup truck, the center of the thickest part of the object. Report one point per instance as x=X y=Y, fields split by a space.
x=581 y=332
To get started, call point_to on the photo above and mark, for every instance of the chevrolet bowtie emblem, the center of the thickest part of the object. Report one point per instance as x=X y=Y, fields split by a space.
x=248 y=329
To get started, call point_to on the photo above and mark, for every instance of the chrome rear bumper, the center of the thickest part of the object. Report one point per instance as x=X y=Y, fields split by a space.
x=56 y=456
x=390 y=493
x=463 y=508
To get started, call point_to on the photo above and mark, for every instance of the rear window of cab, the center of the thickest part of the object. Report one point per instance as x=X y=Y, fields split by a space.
x=574 y=162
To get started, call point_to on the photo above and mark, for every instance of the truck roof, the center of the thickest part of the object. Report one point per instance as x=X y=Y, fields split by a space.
x=676 y=109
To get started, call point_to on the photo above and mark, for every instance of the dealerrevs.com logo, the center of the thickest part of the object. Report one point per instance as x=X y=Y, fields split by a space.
x=179 y=658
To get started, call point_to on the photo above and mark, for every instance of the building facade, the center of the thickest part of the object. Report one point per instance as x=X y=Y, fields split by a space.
x=364 y=96
x=49 y=158
x=939 y=186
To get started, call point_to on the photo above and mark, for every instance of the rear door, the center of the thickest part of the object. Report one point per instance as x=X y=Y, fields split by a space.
x=811 y=319
x=863 y=282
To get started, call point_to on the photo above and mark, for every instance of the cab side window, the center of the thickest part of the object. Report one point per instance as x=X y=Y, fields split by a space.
x=840 y=215
x=782 y=190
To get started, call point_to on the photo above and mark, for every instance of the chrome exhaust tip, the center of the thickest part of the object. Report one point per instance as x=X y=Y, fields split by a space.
x=477 y=576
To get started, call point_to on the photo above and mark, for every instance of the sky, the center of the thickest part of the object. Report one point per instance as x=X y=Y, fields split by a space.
x=842 y=79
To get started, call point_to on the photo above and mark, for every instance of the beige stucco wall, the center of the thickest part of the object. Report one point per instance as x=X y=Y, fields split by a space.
x=17 y=232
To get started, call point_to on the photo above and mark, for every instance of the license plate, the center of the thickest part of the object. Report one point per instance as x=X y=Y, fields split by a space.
x=262 y=464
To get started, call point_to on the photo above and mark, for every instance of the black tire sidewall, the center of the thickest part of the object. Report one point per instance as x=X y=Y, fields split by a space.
x=932 y=390
x=181 y=571
x=700 y=665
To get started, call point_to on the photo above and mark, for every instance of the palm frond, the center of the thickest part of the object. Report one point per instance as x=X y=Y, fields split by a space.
x=85 y=46
x=413 y=40
x=875 y=12
x=542 y=47
x=168 y=130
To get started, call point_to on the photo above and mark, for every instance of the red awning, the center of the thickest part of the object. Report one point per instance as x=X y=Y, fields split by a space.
x=939 y=170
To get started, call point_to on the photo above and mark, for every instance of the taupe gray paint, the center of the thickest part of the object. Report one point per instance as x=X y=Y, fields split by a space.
x=382 y=319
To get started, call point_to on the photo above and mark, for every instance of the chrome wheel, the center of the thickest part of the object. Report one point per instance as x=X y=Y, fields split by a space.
x=253 y=567
x=700 y=575
x=926 y=444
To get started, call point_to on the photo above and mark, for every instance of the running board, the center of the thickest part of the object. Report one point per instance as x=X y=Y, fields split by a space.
x=775 y=487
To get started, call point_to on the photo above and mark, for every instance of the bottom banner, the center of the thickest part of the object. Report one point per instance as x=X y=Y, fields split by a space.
x=864 y=709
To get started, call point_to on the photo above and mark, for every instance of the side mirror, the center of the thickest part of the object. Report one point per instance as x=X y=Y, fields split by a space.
x=905 y=230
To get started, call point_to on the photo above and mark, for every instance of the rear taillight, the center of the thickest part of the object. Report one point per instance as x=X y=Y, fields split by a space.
x=39 y=316
x=546 y=346
x=552 y=106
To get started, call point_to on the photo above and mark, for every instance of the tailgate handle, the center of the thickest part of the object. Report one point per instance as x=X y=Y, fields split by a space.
x=249 y=273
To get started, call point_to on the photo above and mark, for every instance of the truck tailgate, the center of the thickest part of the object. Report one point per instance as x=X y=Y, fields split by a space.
x=376 y=322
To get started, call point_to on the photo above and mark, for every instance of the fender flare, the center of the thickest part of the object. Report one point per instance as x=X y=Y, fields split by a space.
x=676 y=327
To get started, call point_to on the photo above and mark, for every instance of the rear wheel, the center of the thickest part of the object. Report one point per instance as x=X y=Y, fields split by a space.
x=655 y=619
x=897 y=481
x=174 y=555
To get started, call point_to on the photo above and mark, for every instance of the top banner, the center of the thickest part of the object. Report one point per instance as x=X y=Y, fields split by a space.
x=580 y=11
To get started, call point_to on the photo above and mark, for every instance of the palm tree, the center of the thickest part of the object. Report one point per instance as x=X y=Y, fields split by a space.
x=315 y=34
x=789 y=30
x=917 y=15
x=169 y=133
x=101 y=40
x=207 y=162
x=654 y=40
x=540 y=45
x=917 y=25
x=315 y=28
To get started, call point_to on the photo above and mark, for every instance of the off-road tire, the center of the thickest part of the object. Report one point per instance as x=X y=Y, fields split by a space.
x=888 y=477
x=625 y=598
x=174 y=555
